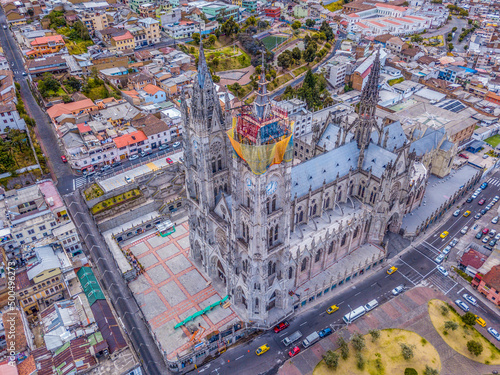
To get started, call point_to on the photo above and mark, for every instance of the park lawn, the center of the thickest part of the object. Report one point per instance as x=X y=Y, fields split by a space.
x=300 y=70
x=234 y=63
x=93 y=191
x=280 y=80
x=457 y=340
x=337 y=5
x=387 y=346
x=115 y=201
x=493 y=141
x=273 y=41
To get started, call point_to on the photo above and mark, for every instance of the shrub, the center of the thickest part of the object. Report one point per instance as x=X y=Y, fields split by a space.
x=375 y=333
x=344 y=348
x=358 y=342
x=331 y=359
x=430 y=371
x=444 y=310
x=407 y=351
x=469 y=318
x=475 y=347
x=410 y=371
x=360 y=361
x=450 y=325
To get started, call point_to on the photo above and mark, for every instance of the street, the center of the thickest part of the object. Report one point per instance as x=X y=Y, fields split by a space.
x=415 y=267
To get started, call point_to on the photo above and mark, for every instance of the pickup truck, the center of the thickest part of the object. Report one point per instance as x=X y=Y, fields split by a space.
x=311 y=339
x=287 y=341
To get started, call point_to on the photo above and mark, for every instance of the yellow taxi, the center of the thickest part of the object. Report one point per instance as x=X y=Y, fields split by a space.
x=466 y=213
x=480 y=321
x=332 y=309
x=262 y=349
x=391 y=270
x=444 y=234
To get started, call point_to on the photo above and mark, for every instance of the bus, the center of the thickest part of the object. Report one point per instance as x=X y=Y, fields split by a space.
x=354 y=314
x=165 y=228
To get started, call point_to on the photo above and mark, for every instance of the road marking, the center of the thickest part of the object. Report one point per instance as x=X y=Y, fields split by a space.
x=283 y=334
x=432 y=247
x=239 y=357
x=432 y=260
x=340 y=303
x=357 y=294
x=449 y=290
x=460 y=291
x=303 y=324
x=410 y=266
x=407 y=278
x=323 y=313
x=375 y=283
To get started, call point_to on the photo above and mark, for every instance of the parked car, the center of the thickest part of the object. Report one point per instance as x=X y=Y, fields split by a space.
x=484 y=185
x=176 y=144
x=325 y=332
x=453 y=242
x=483 y=212
x=63 y=158
x=128 y=179
x=462 y=305
x=164 y=146
x=479 y=235
x=486 y=230
x=492 y=233
x=481 y=201
x=447 y=249
x=486 y=239
x=470 y=199
x=116 y=164
x=105 y=167
x=439 y=258
x=457 y=212
x=493 y=332
x=442 y=270
x=497 y=237
x=480 y=321
x=485 y=156
x=477 y=217
x=464 y=230
x=463 y=156
x=496 y=199
x=133 y=157
x=281 y=326
x=398 y=290
x=294 y=351
x=169 y=161
x=494 y=220
x=493 y=242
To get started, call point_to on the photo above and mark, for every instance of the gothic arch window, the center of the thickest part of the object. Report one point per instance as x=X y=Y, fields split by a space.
x=330 y=249
x=314 y=209
x=271 y=236
x=290 y=272
x=245 y=265
x=363 y=192
x=327 y=204
x=355 y=232
x=213 y=165
x=339 y=196
x=371 y=197
x=276 y=233
x=359 y=190
x=344 y=238
x=243 y=227
x=219 y=162
x=256 y=302
x=215 y=192
x=301 y=216
x=273 y=204
x=318 y=256
x=225 y=187
x=270 y=268
x=303 y=266
x=352 y=187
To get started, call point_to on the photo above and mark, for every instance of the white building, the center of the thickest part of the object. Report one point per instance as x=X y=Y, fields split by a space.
x=9 y=117
x=336 y=70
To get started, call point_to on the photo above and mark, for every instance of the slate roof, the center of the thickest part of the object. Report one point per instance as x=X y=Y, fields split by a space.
x=329 y=137
x=397 y=136
x=428 y=142
x=377 y=158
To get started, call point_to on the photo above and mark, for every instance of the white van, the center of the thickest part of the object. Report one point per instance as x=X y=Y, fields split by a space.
x=354 y=314
x=371 y=305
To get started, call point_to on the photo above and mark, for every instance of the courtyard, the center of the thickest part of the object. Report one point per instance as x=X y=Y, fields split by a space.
x=172 y=289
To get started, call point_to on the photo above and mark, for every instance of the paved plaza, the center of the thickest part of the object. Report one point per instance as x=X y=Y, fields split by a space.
x=172 y=289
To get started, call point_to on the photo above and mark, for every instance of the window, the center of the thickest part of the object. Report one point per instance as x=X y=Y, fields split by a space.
x=344 y=238
x=271 y=236
x=53 y=224
x=276 y=233
x=318 y=256
x=303 y=266
x=31 y=231
x=330 y=249
x=19 y=235
x=42 y=227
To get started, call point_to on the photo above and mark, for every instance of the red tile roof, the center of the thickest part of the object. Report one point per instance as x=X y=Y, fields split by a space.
x=61 y=109
x=27 y=367
x=130 y=139
x=47 y=39
x=152 y=89
x=124 y=36
x=472 y=258
x=83 y=128
x=492 y=278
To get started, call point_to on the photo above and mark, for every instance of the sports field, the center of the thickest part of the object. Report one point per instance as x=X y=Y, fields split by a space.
x=272 y=41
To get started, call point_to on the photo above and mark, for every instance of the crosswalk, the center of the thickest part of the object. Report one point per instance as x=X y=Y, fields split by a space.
x=438 y=280
x=79 y=181
x=432 y=278
x=494 y=181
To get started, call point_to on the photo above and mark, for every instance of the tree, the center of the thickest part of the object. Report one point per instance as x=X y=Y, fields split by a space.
x=466 y=47
x=375 y=333
x=310 y=23
x=230 y=27
x=215 y=78
x=344 y=348
x=405 y=4
x=285 y=59
x=474 y=347
x=30 y=12
x=410 y=371
x=469 y=318
x=73 y=83
x=215 y=62
x=196 y=37
x=360 y=361
x=358 y=342
x=66 y=99
x=296 y=54
x=331 y=359
x=430 y=371
x=309 y=54
x=296 y=25
x=236 y=88
x=407 y=351
x=325 y=28
x=444 y=310
x=210 y=41
x=450 y=325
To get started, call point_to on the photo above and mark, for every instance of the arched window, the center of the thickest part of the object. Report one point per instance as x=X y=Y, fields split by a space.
x=359 y=190
x=371 y=197
x=290 y=272
x=268 y=206
x=318 y=256
x=314 y=209
x=215 y=192
x=327 y=204
x=274 y=267
x=225 y=188
x=243 y=228
x=213 y=166
x=245 y=265
x=276 y=233
x=330 y=249
x=363 y=192
x=256 y=302
x=219 y=162
x=273 y=208
x=355 y=232
x=339 y=196
x=352 y=187
x=271 y=235
x=303 y=266
x=269 y=268
x=344 y=238
x=301 y=216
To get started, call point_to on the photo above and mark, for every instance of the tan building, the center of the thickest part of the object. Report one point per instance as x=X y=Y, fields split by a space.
x=151 y=29
x=396 y=45
x=95 y=21
x=123 y=42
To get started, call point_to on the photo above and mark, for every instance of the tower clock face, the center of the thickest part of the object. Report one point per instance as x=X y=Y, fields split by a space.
x=271 y=187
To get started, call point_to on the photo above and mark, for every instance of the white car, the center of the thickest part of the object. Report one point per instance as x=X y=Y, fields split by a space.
x=497 y=237
x=486 y=239
x=446 y=250
x=496 y=199
x=133 y=157
x=492 y=233
x=398 y=290
x=128 y=179
x=462 y=305
x=453 y=242
x=176 y=144
x=464 y=230
x=439 y=258
x=494 y=220
x=470 y=299
x=456 y=213
x=442 y=270
x=493 y=332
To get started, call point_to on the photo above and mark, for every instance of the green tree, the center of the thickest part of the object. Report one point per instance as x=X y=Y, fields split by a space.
x=285 y=59
x=296 y=54
x=30 y=12
x=66 y=99
x=474 y=347
x=325 y=28
x=410 y=371
x=310 y=23
x=469 y=318
x=73 y=83
x=210 y=41
x=196 y=37
x=358 y=342
x=429 y=370
x=405 y=4
x=450 y=325
x=466 y=47
x=444 y=310
x=331 y=359
x=215 y=78
x=344 y=348
x=296 y=25
x=215 y=62
x=375 y=334
x=236 y=88
x=360 y=361
x=309 y=54
x=407 y=351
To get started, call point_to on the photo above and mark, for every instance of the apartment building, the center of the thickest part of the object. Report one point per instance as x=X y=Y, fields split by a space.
x=94 y=21
x=125 y=41
x=46 y=45
x=9 y=118
x=151 y=29
x=337 y=69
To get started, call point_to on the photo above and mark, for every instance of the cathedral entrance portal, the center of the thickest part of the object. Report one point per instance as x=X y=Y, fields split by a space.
x=393 y=223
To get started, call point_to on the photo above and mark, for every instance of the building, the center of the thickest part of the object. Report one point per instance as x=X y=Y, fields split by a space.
x=489 y=284
x=272 y=12
x=46 y=45
x=249 y=5
x=123 y=42
x=94 y=21
x=360 y=75
x=9 y=118
x=337 y=69
x=251 y=211
x=50 y=64
x=130 y=144
x=7 y=87
x=151 y=29
x=181 y=29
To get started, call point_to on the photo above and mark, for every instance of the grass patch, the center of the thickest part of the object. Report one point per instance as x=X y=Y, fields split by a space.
x=115 y=201
x=337 y=5
x=273 y=41
x=245 y=90
x=229 y=58
x=435 y=41
x=392 y=82
x=493 y=141
x=388 y=353
x=93 y=191
x=78 y=47
x=463 y=274
x=280 y=80
x=300 y=70
x=457 y=340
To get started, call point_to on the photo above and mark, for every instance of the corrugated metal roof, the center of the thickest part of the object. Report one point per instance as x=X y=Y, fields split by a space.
x=47 y=260
x=90 y=285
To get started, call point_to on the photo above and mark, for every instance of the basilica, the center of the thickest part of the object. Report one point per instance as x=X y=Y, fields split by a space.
x=263 y=225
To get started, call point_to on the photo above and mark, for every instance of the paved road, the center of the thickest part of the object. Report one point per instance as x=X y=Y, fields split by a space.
x=415 y=267
x=116 y=287
x=299 y=80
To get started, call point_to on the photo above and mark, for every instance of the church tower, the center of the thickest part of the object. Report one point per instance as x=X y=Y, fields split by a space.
x=205 y=157
x=368 y=105
x=261 y=138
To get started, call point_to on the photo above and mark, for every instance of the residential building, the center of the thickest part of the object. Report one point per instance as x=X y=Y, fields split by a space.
x=50 y=64
x=300 y=11
x=489 y=284
x=395 y=45
x=9 y=118
x=67 y=236
x=130 y=143
x=134 y=4
x=73 y=108
x=157 y=131
x=123 y=42
x=360 y=75
x=337 y=69
x=7 y=87
x=94 y=21
x=181 y=29
x=249 y=5
x=170 y=17
x=217 y=9
x=117 y=76
x=46 y=45
x=272 y=12
x=151 y=29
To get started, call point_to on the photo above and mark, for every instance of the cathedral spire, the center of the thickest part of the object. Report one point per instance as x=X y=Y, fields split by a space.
x=261 y=104
x=203 y=71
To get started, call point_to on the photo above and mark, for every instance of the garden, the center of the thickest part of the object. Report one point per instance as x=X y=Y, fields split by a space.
x=493 y=141
x=116 y=201
x=93 y=191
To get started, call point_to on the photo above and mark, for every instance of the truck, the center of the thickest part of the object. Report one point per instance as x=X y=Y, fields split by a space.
x=287 y=341
x=311 y=339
